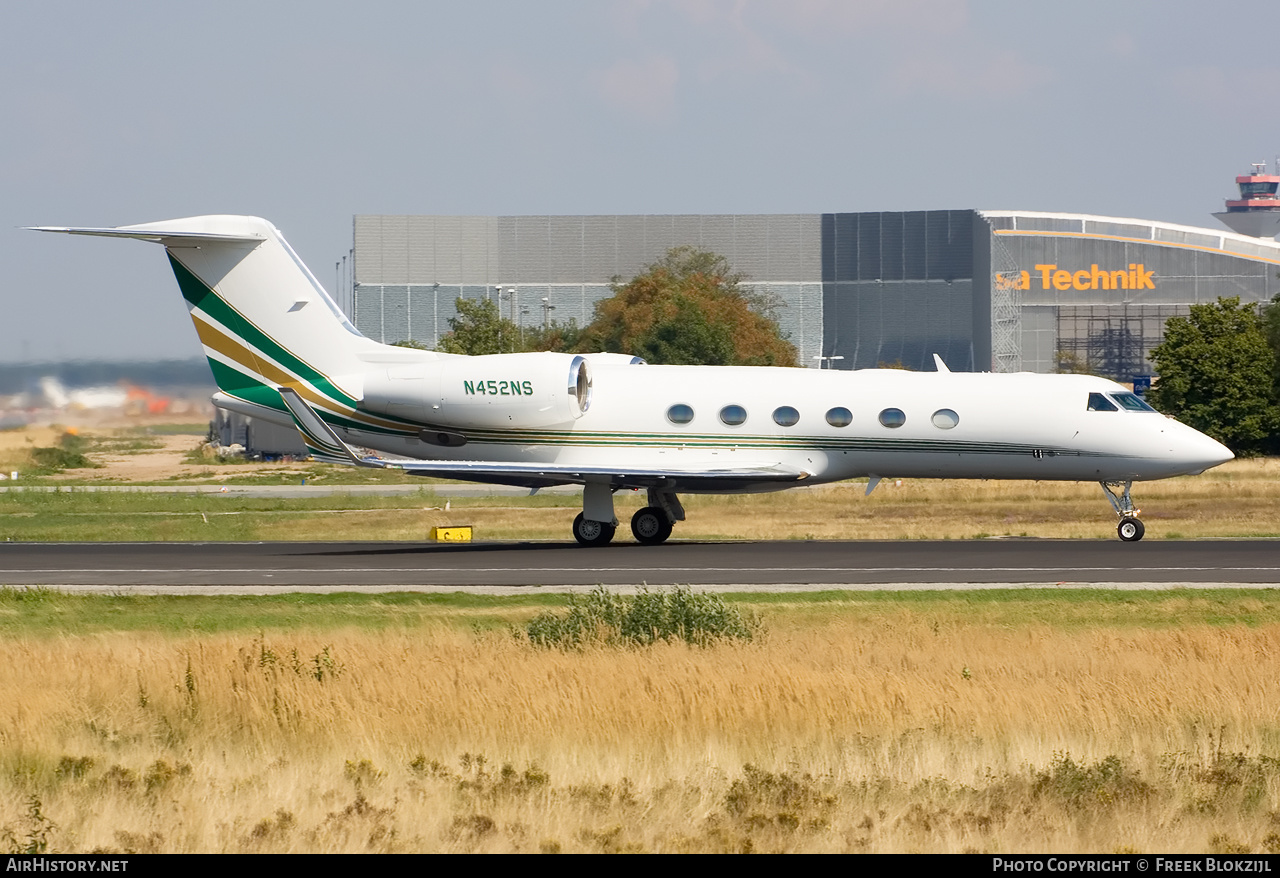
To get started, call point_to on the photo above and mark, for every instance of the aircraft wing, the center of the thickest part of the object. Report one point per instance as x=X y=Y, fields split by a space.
x=324 y=444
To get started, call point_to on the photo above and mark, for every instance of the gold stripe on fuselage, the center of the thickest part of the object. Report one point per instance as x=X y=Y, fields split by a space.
x=242 y=356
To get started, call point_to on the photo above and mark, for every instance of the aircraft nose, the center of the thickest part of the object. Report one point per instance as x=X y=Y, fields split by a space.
x=1206 y=452
x=1221 y=452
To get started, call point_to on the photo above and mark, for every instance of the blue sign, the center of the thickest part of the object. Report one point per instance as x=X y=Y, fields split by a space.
x=1141 y=384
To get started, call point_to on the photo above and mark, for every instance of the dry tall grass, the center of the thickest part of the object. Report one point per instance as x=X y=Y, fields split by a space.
x=892 y=732
x=1235 y=500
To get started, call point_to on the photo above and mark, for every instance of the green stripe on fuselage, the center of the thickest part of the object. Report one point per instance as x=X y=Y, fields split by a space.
x=235 y=383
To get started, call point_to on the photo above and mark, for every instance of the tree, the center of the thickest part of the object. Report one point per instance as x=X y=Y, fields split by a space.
x=1071 y=363
x=1271 y=328
x=1215 y=369
x=555 y=336
x=688 y=308
x=479 y=329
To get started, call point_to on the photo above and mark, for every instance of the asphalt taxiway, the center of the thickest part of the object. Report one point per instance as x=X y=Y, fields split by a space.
x=755 y=566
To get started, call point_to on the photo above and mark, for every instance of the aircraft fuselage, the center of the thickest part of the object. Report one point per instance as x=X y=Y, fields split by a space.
x=953 y=425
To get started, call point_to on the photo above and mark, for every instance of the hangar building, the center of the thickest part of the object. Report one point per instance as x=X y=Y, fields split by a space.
x=1004 y=291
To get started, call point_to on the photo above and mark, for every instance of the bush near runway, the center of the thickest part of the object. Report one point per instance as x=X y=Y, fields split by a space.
x=999 y=721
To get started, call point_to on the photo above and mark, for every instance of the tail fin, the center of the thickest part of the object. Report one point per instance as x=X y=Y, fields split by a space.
x=263 y=318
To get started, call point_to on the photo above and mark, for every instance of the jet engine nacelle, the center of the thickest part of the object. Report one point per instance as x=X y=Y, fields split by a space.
x=495 y=390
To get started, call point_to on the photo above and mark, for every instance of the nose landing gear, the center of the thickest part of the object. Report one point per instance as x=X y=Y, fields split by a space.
x=1130 y=530
x=1130 y=527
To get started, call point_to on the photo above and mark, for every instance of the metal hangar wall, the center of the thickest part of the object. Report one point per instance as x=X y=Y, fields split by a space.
x=1093 y=292
x=988 y=290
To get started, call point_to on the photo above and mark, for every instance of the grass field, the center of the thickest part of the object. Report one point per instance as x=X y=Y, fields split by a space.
x=1235 y=500
x=991 y=721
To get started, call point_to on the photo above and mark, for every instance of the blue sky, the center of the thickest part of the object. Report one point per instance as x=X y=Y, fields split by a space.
x=308 y=113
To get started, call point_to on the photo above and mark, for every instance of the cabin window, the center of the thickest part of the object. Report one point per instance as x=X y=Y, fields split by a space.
x=680 y=413
x=839 y=416
x=945 y=419
x=1099 y=403
x=893 y=417
x=733 y=415
x=1131 y=402
x=785 y=416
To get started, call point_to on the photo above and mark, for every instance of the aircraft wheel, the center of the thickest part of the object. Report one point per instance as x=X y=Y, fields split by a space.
x=592 y=533
x=650 y=526
x=1130 y=530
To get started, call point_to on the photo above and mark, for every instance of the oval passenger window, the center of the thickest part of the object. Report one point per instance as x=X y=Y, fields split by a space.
x=680 y=413
x=839 y=416
x=733 y=415
x=785 y=416
x=945 y=419
x=893 y=417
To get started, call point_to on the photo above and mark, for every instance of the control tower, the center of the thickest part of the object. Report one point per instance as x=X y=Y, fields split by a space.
x=1257 y=211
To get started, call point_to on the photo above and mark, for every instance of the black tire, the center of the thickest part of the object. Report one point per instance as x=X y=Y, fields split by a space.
x=592 y=533
x=1130 y=530
x=650 y=526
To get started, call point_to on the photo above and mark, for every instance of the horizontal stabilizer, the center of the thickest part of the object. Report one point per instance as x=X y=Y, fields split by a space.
x=159 y=235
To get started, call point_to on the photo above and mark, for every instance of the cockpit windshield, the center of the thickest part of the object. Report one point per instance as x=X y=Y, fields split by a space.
x=1099 y=403
x=1131 y=402
x=1106 y=402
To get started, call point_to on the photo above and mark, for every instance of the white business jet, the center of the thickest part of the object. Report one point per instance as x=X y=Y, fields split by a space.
x=281 y=350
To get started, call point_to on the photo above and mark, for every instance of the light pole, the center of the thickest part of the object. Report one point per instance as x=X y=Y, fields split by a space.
x=547 y=308
x=509 y=296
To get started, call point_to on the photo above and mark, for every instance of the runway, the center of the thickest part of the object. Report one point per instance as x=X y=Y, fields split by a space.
x=722 y=566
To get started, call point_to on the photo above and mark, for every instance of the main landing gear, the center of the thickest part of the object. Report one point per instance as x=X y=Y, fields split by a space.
x=592 y=533
x=1130 y=527
x=597 y=524
x=651 y=526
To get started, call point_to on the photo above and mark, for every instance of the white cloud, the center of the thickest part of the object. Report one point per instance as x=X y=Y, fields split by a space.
x=915 y=47
x=843 y=18
x=1233 y=90
x=1001 y=74
x=1122 y=45
x=645 y=88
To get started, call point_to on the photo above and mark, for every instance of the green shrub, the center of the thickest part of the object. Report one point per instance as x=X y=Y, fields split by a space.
x=761 y=798
x=608 y=619
x=1087 y=787
x=35 y=831
x=54 y=459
